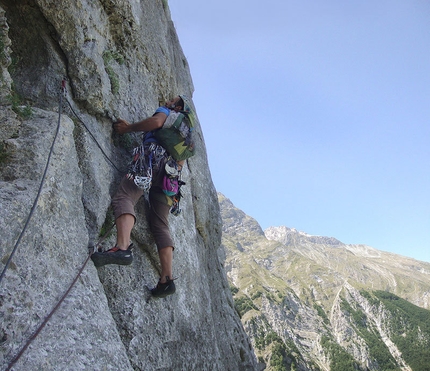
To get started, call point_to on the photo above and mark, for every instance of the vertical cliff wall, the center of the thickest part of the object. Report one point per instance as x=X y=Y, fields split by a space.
x=120 y=59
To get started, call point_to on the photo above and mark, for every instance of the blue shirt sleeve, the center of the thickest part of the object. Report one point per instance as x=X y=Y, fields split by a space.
x=163 y=110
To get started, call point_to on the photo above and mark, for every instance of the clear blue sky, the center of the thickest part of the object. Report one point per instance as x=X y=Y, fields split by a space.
x=316 y=113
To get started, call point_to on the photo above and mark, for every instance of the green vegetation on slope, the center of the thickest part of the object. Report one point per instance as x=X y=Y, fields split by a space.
x=410 y=327
x=300 y=280
x=340 y=359
x=279 y=355
x=378 y=351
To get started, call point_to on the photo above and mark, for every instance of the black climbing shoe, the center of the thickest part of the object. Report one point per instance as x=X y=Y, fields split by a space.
x=164 y=289
x=113 y=256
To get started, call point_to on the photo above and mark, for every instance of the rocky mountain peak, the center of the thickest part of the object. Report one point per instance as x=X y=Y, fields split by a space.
x=235 y=220
x=292 y=237
x=313 y=303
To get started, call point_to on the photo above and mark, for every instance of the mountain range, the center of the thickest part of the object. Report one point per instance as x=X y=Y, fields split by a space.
x=314 y=303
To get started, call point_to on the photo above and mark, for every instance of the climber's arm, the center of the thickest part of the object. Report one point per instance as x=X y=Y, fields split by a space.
x=148 y=124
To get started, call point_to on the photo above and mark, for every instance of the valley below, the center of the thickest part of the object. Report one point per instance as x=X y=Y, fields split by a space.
x=313 y=303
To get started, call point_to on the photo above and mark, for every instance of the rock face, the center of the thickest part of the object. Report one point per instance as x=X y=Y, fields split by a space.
x=314 y=303
x=120 y=59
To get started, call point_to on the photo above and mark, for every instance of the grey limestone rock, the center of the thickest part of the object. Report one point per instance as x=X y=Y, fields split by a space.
x=120 y=59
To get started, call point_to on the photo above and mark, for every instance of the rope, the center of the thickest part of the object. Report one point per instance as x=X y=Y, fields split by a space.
x=49 y=316
x=92 y=136
x=33 y=208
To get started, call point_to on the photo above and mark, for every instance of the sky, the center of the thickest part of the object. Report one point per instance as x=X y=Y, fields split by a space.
x=315 y=114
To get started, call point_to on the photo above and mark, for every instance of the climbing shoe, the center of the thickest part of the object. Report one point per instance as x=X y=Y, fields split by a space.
x=164 y=289
x=113 y=256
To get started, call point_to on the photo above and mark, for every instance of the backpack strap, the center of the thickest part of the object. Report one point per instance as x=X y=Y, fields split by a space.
x=178 y=121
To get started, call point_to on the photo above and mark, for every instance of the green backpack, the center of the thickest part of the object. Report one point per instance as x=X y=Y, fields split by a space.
x=176 y=138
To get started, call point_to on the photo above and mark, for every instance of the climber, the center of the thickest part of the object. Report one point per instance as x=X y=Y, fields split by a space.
x=129 y=192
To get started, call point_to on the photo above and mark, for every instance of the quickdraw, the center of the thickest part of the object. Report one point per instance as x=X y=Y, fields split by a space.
x=145 y=157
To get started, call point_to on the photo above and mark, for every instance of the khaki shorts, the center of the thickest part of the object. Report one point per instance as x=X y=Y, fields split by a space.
x=125 y=200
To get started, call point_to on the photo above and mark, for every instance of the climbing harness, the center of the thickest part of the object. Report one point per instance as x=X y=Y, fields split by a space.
x=151 y=156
